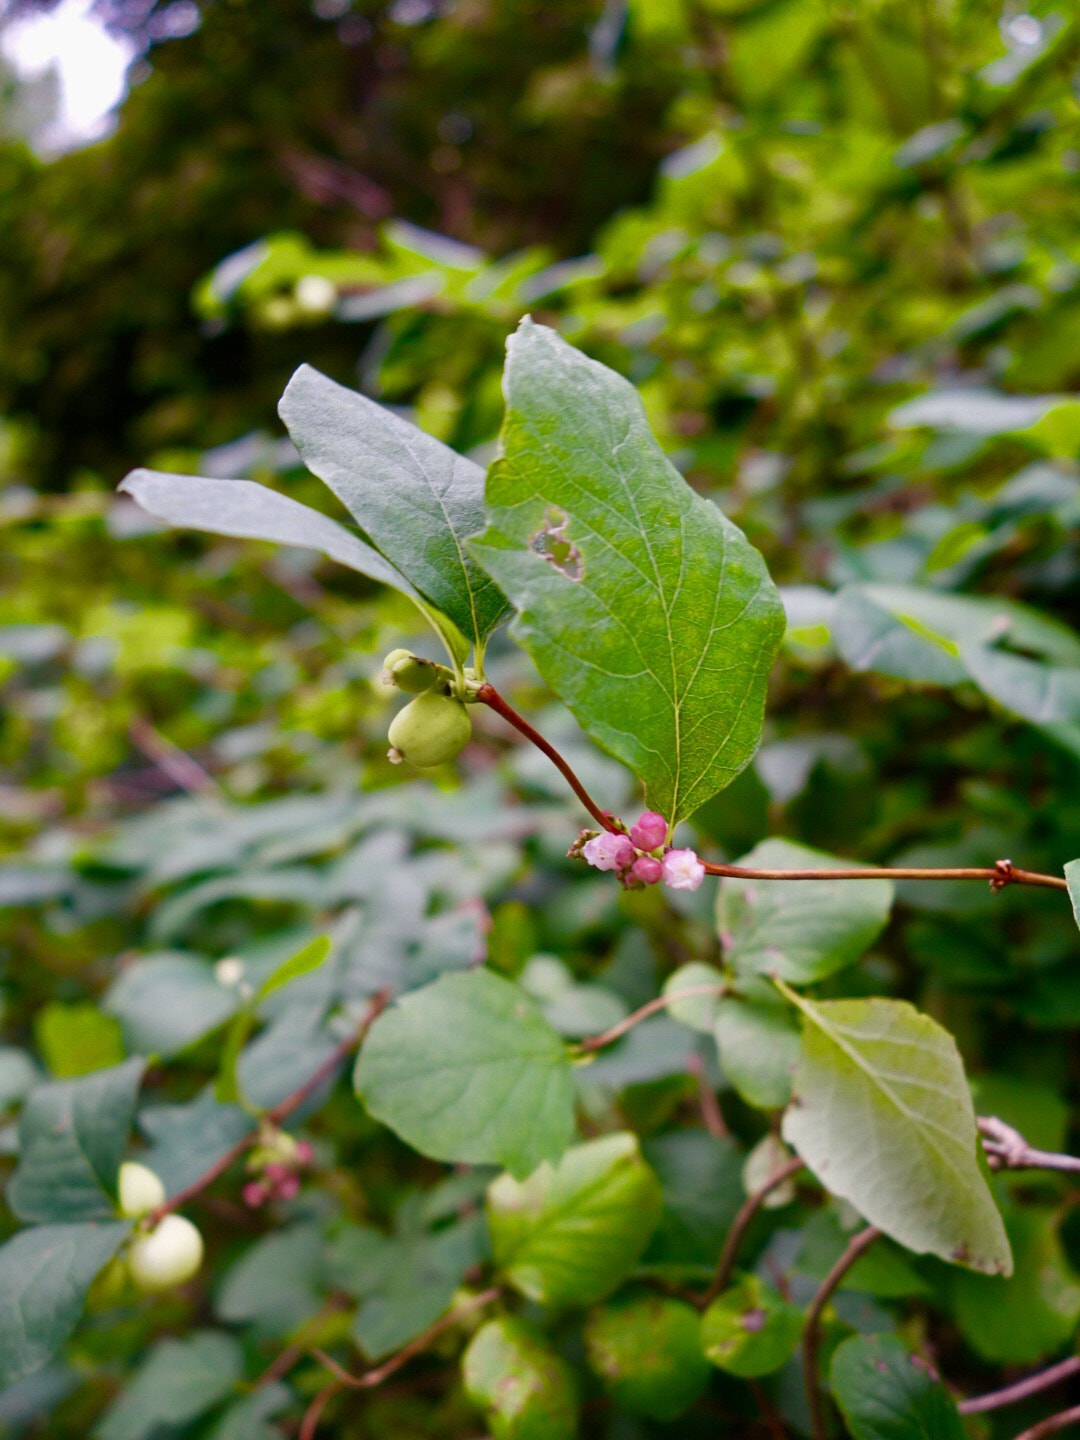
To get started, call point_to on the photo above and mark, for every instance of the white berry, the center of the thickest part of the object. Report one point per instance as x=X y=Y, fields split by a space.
x=140 y=1190
x=170 y=1254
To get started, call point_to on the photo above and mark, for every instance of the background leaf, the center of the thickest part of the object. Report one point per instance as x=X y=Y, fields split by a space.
x=417 y=499
x=799 y=930
x=72 y=1136
x=177 y=1382
x=45 y=1273
x=886 y=1393
x=468 y=1070
x=643 y=607
x=882 y=1114
x=571 y=1232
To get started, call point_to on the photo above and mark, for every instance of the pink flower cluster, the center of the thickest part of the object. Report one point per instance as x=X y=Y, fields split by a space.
x=278 y=1179
x=629 y=857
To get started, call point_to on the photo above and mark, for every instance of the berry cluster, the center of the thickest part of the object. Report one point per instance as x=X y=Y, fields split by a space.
x=639 y=858
x=275 y=1167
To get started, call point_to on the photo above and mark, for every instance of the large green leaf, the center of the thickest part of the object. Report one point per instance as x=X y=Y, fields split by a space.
x=572 y=1232
x=72 y=1136
x=468 y=1070
x=882 y=1114
x=646 y=1348
x=886 y=1393
x=800 y=930
x=758 y=1045
x=1072 y=879
x=177 y=1382
x=417 y=499
x=255 y=512
x=44 y=1276
x=750 y=1330
x=644 y=608
x=166 y=1002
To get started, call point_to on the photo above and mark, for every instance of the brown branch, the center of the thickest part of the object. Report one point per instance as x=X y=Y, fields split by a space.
x=177 y=764
x=1006 y=1149
x=1000 y=874
x=739 y=1226
x=811 y=1344
x=313 y=1414
x=1022 y=1389
x=376 y=1376
x=278 y=1115
x=1055 y=1423
x=661 y=1002
x=489 y=696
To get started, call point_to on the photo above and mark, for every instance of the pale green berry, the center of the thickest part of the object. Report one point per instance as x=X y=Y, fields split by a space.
x=166 y=1256
x=431 y=730
x=140 y=1190
x=409 y=672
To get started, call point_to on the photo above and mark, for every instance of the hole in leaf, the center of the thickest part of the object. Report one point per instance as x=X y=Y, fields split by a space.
x=551 y=544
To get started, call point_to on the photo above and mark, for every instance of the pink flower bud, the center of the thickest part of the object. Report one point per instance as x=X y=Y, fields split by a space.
x=683 y=870
x=254 y=1193
x=304 y=1152
x=287 y=1188
x=276 y=1171
x=650 y=831
x=608 y=851
x=647 y=869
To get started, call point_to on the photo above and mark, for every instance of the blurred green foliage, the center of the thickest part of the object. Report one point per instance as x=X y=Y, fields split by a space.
x=835 y=248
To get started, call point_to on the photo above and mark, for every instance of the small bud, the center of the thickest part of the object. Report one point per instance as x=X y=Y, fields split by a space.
x=683 y=870
x=167 y=1256
x=287 y=1188
x=431 y=730
x=140 y=1190
x=315 y=294
x=609 y=852
x=255 y=1194
x=650 y=831
x=229 y=971
x=409 y=672
x=647 y=869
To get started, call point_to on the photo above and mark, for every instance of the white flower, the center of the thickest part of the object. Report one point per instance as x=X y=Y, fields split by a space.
x=683 y=870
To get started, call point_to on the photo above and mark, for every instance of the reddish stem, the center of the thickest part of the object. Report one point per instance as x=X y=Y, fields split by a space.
x=857 y=1246
x=1022 y=1389
x=489 y=696
x=1055 y=1423
x=1000 y=874
x=739 y=1226
x=279 y=1114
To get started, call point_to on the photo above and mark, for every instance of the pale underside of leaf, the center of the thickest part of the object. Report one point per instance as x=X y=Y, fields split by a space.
x=883 y=1116
x=643 y=607
x=417 y=499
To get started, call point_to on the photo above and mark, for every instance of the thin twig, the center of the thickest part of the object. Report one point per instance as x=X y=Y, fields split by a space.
x=1051 y=1426
x=661 y=1002
x=1000 y=874
x=376 y=1376
x=1022 y=1389
x=711 y=1114
x=177 y=764
x=1006 y=1149
x=278 y=1115
x=313 y=1414
x=489 y=696
x=739 y=1226
x=811 y=1343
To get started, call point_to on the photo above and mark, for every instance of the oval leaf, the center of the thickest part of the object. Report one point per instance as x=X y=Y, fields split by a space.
x=882 y=1115
x=886 y=1393
x=467 y=1070
x=644 y=608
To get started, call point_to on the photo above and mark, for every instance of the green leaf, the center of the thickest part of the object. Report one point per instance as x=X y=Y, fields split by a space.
x=467 y=1070
x=276 y=1283
x=643 y=607
x=886 y=1393
x=647 y=1351
x=177 y=1382
x=168 y=1001
x=44 y=1276
x=250 y=511
x=1029 y=1316
x=570 y=1233
x=698 y=1010
x=750 y=1330
x=526 y=1389
x=250 y=1418
x=72 y=1136
x=304 y=962
x=77 y=1039
x=799 y=930
x=882 y=1114
x=415 y=497
x=758 y=1044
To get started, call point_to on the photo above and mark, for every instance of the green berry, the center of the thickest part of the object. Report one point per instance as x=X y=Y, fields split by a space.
x=166 y=1256
x=140 y=1190
x=431 y=730
x=411 y=673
